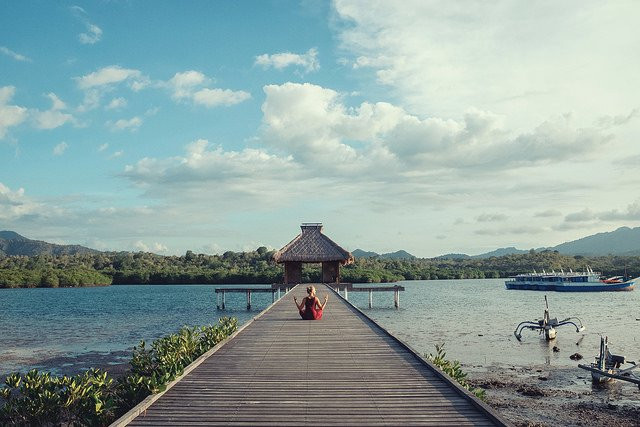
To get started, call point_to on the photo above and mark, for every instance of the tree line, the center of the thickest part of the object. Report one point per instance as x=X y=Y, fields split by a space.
x=107 y=268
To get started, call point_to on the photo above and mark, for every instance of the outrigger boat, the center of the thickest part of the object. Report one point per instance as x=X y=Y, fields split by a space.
x=547 y=325
x=606 y=367
x=585 y=281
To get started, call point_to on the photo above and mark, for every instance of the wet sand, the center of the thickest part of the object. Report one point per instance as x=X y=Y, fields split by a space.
x=556 y=396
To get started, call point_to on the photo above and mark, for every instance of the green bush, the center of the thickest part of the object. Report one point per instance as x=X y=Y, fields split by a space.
x=94 y=398
x=453 y=369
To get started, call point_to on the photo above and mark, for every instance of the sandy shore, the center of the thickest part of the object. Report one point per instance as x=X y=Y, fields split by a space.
x=556 y=396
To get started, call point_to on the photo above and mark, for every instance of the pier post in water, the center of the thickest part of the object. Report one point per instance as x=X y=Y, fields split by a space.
x=370 y=298
x=248 y=299
x=396 y=297
x=346 y=293
x=223 y=300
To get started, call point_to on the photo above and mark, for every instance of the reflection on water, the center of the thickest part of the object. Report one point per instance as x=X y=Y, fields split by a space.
x=47 y=328
x=476 y=319
x=41 y=327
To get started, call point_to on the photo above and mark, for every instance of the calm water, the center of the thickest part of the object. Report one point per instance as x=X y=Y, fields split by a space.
x=67 y=330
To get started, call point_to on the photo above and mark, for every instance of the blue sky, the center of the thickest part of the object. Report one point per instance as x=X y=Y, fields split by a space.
x=434 y=127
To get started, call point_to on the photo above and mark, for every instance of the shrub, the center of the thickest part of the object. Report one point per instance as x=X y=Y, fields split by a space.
x=94 y=398
x=453 y=369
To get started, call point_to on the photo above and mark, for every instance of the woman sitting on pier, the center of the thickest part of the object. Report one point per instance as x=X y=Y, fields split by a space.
x=310 y=307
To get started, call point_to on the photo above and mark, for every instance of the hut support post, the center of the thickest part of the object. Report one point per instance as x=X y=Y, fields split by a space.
x=223 y=300
x=370 y=298
x=346 y=293
x=217 y=300
x=278 y=292
x=396 y=298
x=248 y=300
x=273 y=296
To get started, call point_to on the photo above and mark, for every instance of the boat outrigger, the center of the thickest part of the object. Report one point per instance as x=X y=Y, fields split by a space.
x=547 y=325
x=607 y=367
x=585 y=281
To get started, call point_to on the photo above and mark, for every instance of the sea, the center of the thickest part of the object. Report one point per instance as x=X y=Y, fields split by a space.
x=68 y=330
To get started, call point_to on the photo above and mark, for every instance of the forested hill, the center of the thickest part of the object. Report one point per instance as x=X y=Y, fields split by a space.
x=258 y=267
x=11 y=243
x=623 y=241
x=401 y=254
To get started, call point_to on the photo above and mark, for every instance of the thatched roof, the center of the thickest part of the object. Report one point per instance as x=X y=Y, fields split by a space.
x=312 y=246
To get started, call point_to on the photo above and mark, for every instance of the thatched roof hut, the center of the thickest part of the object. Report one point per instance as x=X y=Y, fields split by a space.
x=311 y=246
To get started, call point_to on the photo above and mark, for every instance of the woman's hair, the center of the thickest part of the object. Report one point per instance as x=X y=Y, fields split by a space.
x=310 y=289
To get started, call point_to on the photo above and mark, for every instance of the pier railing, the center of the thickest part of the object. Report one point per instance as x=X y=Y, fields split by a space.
x=221 y=293
x=276 y=292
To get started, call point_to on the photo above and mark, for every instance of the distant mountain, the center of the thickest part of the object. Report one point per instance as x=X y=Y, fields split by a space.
x=501 y=252
x=397 y=255
x=11 y=243
x=623 y=241
x=359 y=253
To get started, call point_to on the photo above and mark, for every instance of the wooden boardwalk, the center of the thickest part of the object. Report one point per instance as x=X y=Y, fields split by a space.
x=341 y=370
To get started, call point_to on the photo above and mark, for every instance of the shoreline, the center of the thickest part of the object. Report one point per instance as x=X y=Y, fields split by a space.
x=528 y=395
x=545 y=395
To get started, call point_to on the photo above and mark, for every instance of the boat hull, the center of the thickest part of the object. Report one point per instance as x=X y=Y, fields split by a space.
x=566 y=287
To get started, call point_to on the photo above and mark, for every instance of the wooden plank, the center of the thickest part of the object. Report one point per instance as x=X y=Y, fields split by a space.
x=341 y=370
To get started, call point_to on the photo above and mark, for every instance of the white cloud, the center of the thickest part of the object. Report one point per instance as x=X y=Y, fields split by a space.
x=307 y=61
x=582 y=216
x=14 y=55
x=210 y=171
x=10 y=115
x=216 y=97
x=440 y=57
x=59 y=149
x=310 y=123
x=630 y=213
x=56 y=103
x=110 y=75
x=14 y=204
x=91 y=100
x=155 y=247
x=187 y=85
x=159 y=247
x=99 y=82
x=54 y=117
x=51 y=119
x=93 y=34
x=316 y=127
x=139 y=245
x=184 y=84
x=103 y=147
x=116 y=154
x=131 y=124
x=116 y=103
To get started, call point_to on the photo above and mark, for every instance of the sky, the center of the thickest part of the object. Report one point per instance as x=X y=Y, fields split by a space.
x=430 y=126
